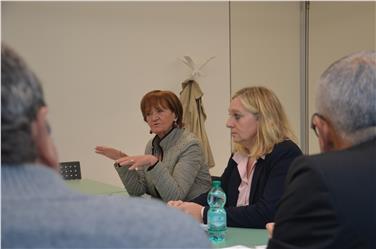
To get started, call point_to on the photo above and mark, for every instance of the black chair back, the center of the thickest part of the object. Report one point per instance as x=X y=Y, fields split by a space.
x=70 y=170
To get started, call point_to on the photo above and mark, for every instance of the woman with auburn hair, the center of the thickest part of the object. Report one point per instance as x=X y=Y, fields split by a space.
x=173 y=166
x=264 y=148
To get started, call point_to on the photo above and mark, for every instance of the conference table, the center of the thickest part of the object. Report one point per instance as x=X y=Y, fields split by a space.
x=235 y=236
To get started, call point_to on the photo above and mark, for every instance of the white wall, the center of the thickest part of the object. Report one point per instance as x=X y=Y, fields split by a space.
x=96 y=60
x=336 y=29
x=265 y=46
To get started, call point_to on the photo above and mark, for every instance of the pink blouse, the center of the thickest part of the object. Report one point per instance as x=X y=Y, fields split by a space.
x=245 y=184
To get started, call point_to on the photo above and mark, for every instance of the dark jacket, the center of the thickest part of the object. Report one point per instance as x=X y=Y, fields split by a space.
x=330 y=201
x=266 y=189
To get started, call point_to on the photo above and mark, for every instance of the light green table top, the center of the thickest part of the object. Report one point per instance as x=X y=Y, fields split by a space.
x=244 y=236
x=92 y=187
x=235 y=236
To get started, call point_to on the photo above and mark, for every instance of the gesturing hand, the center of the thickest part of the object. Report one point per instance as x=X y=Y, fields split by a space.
x=109 y=152
x=137 y=162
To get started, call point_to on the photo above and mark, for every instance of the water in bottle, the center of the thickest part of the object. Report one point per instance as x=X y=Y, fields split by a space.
x=217 y=219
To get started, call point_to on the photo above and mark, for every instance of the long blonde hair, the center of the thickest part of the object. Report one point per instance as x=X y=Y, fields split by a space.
x=273 y=126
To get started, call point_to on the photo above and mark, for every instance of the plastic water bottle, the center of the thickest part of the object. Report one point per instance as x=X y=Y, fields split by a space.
x=217 y=219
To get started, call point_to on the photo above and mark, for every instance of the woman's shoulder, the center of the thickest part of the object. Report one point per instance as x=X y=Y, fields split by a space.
x=181 y=140
x=286 y=147
x=188 y=137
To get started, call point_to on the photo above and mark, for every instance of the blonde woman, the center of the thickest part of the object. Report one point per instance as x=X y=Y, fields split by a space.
x=263 y=151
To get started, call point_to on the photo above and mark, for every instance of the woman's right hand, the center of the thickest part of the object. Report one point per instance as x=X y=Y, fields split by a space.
x=174 y=204
x=109 y=152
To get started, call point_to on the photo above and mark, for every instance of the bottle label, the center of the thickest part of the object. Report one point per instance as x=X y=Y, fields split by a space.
x=217 y=220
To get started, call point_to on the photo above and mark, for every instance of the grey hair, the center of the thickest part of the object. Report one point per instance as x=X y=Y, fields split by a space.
x=346 y=96
x=21 y=98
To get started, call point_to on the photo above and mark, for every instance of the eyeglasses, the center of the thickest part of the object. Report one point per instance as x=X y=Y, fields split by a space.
x=313 y=125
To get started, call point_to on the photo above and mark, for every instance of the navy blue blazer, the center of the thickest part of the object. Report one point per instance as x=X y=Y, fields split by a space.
x=329 y=201
x=266 y=188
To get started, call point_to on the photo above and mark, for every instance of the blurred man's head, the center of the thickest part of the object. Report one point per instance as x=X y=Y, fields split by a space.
x=25 y=133
x=346 y=102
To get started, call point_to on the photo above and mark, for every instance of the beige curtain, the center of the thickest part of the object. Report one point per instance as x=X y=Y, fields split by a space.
x=194 y=116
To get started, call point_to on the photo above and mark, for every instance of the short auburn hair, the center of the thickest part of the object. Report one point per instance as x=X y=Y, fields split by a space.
x=164 y=99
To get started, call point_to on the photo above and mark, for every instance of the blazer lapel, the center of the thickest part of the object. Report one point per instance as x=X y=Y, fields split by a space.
x=233 y=185
x=255 y=179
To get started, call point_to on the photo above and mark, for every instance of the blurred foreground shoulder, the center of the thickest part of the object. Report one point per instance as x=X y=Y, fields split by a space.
x=153 y=224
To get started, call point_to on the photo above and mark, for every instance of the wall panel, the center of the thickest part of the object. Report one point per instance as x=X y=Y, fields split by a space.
x=97 y=59
x=265 y=50
x=336 y=29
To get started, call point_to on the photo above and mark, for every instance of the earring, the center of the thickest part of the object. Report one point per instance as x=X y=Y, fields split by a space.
x=175 y=123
